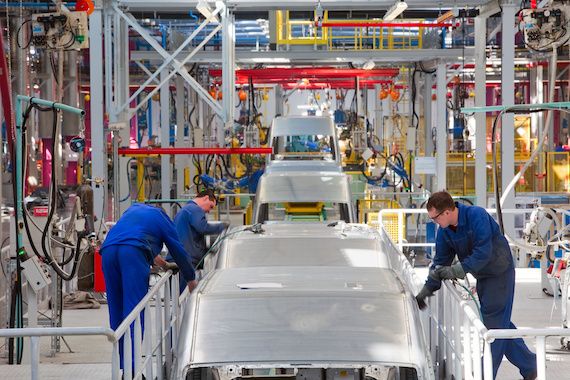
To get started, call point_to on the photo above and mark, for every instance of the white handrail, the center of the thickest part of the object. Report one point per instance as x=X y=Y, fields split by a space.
x=141 y=351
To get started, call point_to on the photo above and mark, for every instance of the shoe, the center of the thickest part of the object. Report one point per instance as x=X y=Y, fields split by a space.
x=531 y=376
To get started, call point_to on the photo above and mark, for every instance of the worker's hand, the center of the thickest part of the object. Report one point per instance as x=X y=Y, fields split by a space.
x=451 y=272
x=192 y=285
x=171 y=266
x=433 y=274
x=422 y=295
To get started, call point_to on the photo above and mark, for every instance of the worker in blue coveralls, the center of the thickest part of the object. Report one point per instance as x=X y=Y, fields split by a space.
x=472 y=235
x=128 y=252
x=192 y=225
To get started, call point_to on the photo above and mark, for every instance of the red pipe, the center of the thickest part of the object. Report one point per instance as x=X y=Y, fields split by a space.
x=145 y=151
x=310 y=72
x=6 y=93
x=382 y=24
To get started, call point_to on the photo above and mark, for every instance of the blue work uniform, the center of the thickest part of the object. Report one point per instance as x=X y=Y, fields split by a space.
x=191 y=226
x=485 y=253
x=127 y=255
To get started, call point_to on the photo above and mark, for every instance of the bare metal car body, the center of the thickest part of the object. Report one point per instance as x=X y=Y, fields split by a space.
x=304 y=302
x=286 y=128
x=276 y=188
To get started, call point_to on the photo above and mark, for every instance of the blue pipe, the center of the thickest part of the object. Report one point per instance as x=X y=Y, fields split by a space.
x=191 y=14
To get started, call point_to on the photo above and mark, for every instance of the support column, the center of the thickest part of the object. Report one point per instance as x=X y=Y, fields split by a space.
x=378 y=113
x=537 y=118
x=179 y=160
x=441 y=128
x=428 y=125
x=228 y=72
x=165 y=172
x=480 y=118
x=508 y=120
x=98 y=140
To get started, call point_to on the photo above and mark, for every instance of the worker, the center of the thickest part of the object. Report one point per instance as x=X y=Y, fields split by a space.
x=128 y=252
x=192 y=225
x=472 y=235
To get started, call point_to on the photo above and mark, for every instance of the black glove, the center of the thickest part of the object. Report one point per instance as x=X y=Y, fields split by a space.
x=171 y=266
x=422 y=295
x=451 y=272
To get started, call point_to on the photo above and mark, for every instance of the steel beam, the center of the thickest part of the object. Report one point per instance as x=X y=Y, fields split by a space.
x=508 y=120
x=441 y=128
x=480 y=118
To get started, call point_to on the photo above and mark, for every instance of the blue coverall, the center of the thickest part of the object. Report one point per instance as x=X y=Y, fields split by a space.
x=485 y=253
x=127 y=255
x=192 y=226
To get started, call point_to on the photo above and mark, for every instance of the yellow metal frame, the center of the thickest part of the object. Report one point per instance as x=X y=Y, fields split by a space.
x=306 y=208
x=285 y=26
x=377 y=36
x=369 y=210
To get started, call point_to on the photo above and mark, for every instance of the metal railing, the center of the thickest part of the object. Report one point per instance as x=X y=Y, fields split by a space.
x=461 y=344
x=151 y=352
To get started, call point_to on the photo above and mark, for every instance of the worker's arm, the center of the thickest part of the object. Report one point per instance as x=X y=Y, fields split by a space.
x=444 y=256
x=175 y=248
x=201 y=225
x=482 y=241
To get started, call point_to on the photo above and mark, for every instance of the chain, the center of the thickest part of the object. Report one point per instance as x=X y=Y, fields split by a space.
x=82 y=127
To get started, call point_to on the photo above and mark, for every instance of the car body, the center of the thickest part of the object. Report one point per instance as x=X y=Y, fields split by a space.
x=304 y=301
x=324 y=195
x=302 y=138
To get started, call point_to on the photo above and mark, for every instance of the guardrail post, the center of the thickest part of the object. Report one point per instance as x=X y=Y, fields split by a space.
x=137 y=345
x=467 y=350
x=477 y=362
x=541 y=357
x=158 y=321
x=148 y=343
x=35 y=352
x=487 y=362
x=127 y=355
x=115 y=361
x=168 y=327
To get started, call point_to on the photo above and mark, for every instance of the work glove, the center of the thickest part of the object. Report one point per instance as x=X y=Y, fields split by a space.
x=171 y=266
x=422 y=295
x=451 y=272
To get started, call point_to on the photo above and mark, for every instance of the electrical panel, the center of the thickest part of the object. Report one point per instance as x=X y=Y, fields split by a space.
x=37 y=273
x=68 y=31
x=545 y=26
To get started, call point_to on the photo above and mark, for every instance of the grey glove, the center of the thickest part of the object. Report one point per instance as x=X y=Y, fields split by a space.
x=451 y=272
x=422 y=295
x=171 y=266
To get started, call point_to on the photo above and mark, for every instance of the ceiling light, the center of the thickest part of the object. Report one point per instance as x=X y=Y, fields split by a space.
x=204 y=8
x=395 y=10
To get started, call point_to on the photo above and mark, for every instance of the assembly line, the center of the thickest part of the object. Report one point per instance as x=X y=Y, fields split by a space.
x=318 y=190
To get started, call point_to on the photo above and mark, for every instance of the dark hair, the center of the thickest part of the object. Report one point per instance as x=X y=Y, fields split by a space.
x=440 y=201
x=209 y=193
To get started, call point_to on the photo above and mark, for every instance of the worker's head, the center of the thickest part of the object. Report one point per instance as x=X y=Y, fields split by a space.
x=441 y=209
x=206 y=199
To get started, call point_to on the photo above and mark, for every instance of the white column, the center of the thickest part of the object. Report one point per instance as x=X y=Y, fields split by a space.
x=480 y=118
x=378 y=114
x=179 y=160
x=98 y=140
x=428 y=125
x=228 y=71
x=508 y=120
x=165 y=172
x=441 y=128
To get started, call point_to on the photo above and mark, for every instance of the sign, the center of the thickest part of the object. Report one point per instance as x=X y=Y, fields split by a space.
x=40 y=211
x=425 y=165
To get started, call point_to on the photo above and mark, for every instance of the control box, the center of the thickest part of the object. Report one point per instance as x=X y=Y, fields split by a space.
x=68 y=31
x=544 y=27
x=37 y=273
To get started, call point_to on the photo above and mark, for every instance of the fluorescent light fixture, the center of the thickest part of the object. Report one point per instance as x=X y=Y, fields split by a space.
x=271 y=60
x=368 y=65
x=204 y=8
x=395 y=10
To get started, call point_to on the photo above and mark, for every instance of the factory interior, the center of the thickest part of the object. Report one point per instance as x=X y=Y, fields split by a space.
x=322 y=128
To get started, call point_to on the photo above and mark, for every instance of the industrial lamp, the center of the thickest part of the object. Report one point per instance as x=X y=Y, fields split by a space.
x=368 y=65
x=204 y=8
x=395 y=10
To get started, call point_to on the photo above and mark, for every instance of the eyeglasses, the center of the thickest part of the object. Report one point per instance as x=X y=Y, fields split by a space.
x=437 y=216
